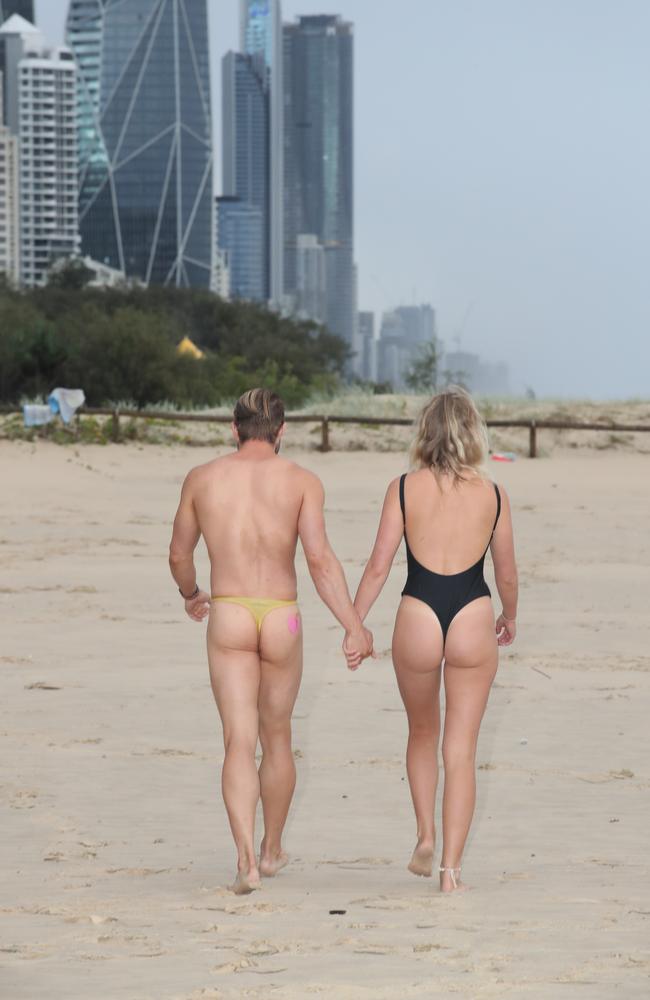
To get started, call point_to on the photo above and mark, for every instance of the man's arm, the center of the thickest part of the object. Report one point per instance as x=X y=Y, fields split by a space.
x=325 y=569
x=185 y=537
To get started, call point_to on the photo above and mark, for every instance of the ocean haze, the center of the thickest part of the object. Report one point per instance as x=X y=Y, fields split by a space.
x=502 y=165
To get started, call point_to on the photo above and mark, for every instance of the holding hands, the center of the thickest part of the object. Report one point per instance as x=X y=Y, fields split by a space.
x=357 y=645
x=198 y=606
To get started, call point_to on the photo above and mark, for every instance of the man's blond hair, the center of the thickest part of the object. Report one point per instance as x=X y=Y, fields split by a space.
x=259 y=415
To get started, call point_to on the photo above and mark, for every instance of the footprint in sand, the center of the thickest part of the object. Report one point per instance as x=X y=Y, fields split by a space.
x=23 y=799
x=258 y=949
x=358 y=863
x=144 y=872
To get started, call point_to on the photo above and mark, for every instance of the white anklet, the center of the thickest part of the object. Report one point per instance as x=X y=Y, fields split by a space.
x=451 y=872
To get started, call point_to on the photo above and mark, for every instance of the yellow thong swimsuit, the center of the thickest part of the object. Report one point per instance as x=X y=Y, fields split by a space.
x=259 y=607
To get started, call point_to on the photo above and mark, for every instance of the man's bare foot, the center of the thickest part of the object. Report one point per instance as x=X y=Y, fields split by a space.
x=450 y=880
x=246 y=882
x=271 y=864
x=421 y=862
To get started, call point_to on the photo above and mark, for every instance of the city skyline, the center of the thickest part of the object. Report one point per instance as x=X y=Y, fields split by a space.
x=510 y=142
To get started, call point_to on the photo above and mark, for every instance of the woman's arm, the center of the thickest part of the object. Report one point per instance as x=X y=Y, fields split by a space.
x=502 y=548
x=389 y=535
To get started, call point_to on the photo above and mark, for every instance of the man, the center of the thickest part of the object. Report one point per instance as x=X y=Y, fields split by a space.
x=251 y=507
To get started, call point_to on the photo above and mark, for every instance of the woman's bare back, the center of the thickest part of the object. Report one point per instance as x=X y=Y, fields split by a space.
x=448 y=525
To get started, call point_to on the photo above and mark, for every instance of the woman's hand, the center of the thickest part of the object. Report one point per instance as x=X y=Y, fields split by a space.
x=506 y=629
x=198 y=607
x=357 y=646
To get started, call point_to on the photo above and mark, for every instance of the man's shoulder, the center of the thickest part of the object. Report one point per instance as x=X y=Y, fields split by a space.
x=299 y=473
x=205 y=471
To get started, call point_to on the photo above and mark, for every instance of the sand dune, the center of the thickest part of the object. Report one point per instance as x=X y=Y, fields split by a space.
x=115 y=848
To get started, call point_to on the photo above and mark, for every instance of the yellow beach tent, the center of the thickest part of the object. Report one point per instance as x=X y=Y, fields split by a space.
x=189 y=348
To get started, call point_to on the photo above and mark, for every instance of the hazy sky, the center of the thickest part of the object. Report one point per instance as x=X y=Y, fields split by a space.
x=502 y=174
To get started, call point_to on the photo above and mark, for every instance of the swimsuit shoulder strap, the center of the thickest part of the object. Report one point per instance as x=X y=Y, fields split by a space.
x=401 y=497
x=496 y=490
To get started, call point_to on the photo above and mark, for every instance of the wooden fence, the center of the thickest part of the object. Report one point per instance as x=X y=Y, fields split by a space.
x=325 y=422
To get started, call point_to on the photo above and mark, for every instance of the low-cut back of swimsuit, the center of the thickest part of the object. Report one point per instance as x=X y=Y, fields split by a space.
x=445 y=593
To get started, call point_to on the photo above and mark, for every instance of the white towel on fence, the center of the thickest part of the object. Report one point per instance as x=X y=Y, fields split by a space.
x=66 y=402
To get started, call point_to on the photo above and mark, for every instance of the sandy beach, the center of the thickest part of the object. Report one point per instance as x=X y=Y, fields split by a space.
x=115 y=848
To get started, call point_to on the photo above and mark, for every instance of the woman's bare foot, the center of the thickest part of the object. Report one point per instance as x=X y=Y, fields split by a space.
x=450 y=880
x=246 y=882
x=421 y=862
x=272 y=862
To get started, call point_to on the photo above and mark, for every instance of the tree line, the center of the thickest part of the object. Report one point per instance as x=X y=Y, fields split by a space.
x=120 y=345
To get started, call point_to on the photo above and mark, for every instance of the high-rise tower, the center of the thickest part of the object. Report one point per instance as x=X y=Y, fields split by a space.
x=9 y=201
x=261 y=38
x=246 y=176
x=145 y=137
x=40 y=109
x=318 y=87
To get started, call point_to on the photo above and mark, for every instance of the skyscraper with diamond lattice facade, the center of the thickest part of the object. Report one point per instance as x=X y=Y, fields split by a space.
x=145 y=137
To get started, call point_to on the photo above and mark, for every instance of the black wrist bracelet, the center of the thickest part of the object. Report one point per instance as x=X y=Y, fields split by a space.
x=192 y=595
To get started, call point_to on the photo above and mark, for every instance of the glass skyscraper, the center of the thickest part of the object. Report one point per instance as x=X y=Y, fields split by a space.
x=318 y=158
x=240 y=228
x=246 y=149
x=261 y=38
x=145 y=137
x=23 y=7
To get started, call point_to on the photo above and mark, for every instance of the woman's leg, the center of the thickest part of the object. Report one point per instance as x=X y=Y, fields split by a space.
x=470 y=666
x=417 y=653
x=235 y=677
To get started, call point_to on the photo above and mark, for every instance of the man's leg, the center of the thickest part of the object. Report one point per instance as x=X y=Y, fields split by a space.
x=281 y=670
x=235 y=677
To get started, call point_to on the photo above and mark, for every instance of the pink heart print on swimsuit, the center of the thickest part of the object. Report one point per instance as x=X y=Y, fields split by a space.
x=293 y=623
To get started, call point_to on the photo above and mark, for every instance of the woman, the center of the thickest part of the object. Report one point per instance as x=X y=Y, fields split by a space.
x=449 y=514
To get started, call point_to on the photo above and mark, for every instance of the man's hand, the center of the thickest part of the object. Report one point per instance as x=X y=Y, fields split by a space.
x=357 y=646
x=198 y=607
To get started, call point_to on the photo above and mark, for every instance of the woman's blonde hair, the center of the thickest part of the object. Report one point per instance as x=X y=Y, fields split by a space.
x=451 y=435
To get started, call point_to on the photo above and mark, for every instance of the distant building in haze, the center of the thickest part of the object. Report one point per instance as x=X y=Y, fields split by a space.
x=488 y=378
x=40 y=101
x=221 y=273
x=25 y=8
x=311 y=279
x=368 y=346
x=261 y=38
x=145 y=137
x=404 y=331
x=240 y=229
x=245 y=148
x=318 y=159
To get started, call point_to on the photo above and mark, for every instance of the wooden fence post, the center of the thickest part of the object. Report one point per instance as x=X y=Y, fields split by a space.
x=532 y=450
x=115 y=426
x=325 y=435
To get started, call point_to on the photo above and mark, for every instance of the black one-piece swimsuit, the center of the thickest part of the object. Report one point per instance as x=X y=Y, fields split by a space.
x=445 y=593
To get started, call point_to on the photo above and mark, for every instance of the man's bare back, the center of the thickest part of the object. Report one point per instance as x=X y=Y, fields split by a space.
x=251 y=507
x=248 y=510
